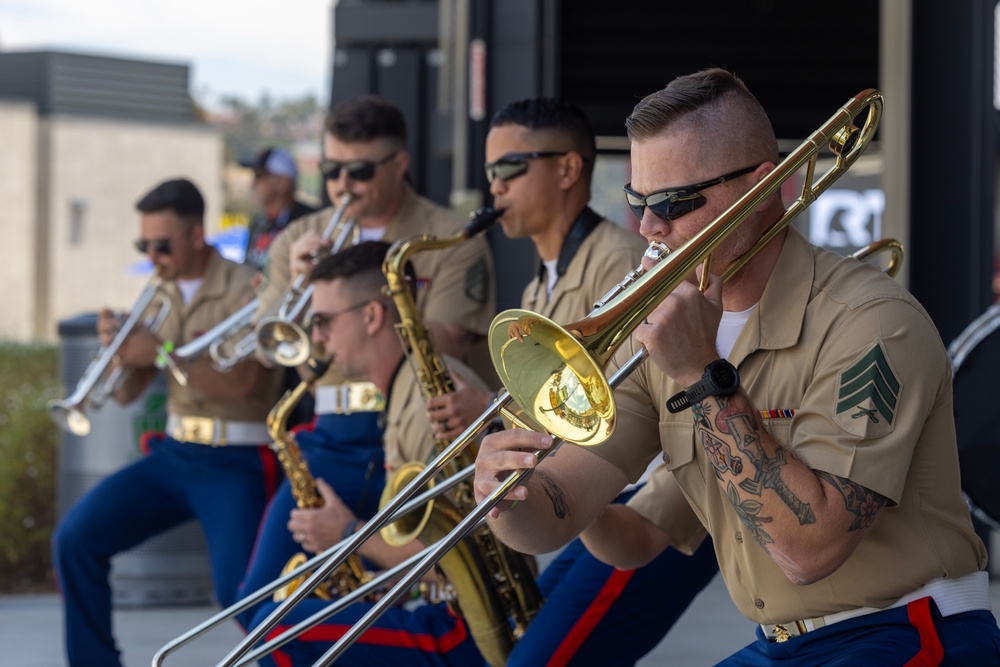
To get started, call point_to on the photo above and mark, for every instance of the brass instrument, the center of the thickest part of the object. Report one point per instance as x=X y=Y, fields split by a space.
x=353 y=573
x=491 y=586
x=100 y=381
x=280 y=338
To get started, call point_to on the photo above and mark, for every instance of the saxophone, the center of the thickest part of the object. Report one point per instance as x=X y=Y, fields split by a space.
x=489 y=585
x=352 y=572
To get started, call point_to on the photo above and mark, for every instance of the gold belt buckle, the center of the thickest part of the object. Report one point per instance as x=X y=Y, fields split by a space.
x=362 y=397
x=781 y=633
x=201 y=430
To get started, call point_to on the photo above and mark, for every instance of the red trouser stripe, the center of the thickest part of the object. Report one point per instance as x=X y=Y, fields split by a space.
x=570 y=644
x=931 y=652
x=379 y=637
x=269 y=464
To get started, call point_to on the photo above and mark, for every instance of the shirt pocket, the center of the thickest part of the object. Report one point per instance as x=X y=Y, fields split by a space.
x=677 y=443
x=780 y=429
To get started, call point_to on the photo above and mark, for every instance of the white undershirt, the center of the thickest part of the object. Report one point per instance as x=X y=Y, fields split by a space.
x=551 y=276
x=372 y=233
x=188 y=288
x=729 y=330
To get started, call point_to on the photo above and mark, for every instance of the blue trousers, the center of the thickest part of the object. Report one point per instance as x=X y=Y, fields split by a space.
x=915 y=635
x=224 y=488
x=597 y=615
x=346 y=452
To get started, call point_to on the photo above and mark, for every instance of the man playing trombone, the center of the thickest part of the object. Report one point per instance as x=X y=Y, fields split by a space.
x=353 y=322
x=211 y=465
x=795 y=424
x=540 y=159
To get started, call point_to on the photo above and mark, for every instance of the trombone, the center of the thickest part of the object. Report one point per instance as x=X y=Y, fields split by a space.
x=100 y=381
x=521 y=341
x=279 y=338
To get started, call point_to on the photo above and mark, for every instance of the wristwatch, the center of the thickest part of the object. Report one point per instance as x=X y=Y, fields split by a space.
x=720 y=379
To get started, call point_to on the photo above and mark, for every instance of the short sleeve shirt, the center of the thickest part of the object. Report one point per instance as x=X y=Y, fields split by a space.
x=850 y=374
x=455 y=285
x=225 y=289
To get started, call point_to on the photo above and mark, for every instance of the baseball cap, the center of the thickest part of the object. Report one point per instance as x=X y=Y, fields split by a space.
x=276 y=161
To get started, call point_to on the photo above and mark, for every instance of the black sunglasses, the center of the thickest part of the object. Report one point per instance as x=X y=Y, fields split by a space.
x=512 y=165
x=159 y=246
x=358 y=170
x=672 y=203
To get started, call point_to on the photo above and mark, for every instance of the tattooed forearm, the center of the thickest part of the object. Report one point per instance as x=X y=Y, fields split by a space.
x=749 y=513
x=862 y=502
x=559 y=506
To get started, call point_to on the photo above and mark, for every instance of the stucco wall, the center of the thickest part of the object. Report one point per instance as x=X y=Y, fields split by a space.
x=18 y=201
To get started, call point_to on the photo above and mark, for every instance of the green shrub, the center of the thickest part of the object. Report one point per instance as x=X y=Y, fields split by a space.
x=28 y=443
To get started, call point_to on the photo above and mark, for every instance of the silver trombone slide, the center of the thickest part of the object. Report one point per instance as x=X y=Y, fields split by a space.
x=384 y=516
x=457 y=534
x=263 y=592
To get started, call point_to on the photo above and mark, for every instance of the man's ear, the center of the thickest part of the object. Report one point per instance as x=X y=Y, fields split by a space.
x=375 y=316
x=570 y=169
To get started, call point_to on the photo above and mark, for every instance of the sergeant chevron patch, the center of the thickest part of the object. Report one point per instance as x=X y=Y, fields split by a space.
x=867 y=395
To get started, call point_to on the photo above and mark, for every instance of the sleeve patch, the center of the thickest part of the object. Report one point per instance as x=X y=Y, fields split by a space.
x=476 y=281
x=868 y=395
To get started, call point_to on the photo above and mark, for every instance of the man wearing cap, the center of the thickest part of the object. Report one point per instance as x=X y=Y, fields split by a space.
x=274 y=175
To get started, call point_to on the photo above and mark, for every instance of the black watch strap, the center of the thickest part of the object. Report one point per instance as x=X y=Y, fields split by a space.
x=720 y=379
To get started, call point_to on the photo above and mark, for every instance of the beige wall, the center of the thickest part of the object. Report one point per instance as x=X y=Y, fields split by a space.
x=18 y=199
x=94 y=170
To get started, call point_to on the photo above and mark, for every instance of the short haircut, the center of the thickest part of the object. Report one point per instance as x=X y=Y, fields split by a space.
x=547 y=114
x=366 y=118
x=361 y=266
x=714 y=103
x=178 y=195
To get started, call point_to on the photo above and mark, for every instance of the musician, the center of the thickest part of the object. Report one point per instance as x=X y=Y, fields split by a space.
x=353 y=322
x=212 y=463
x=540 y=160
x=274 y=179
x=825 y=468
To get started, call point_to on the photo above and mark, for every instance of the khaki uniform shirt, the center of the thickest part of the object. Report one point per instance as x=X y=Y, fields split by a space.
x=225 y=289
x=603 y=259
x=408 y=434
x=455 y=285
x=863 y=368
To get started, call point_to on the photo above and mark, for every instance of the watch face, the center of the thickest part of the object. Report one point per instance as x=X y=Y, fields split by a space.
x=724 y=376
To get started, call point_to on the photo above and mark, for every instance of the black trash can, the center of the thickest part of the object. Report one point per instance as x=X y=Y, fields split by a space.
x=171 y=568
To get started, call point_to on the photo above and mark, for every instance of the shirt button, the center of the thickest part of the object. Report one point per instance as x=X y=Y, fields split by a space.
x=666 y=458
x=757 y=602
x=739 y=537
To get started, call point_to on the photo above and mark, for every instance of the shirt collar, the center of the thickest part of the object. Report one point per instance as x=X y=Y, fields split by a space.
x=584 y=224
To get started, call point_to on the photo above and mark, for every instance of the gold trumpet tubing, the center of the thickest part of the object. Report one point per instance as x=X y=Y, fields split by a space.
x=99 y=380
x=307 y=567
x=581 y=407
x=884 y=245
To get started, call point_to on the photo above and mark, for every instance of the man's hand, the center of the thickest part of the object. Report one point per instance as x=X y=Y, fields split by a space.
x=502 y=454
x=303 y=251
x=450 y=414
x=320 y=528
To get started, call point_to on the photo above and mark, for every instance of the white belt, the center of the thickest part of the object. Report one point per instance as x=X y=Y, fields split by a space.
x=343 y=399
x=215 y=432
x=952 y=596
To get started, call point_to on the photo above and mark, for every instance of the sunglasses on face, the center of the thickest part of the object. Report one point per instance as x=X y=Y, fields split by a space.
x=672 y=203
x=323 y=321
x=512 y=165
x=358 y=170
x=159 y=246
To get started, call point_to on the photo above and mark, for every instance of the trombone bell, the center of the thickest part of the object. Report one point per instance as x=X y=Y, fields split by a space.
x=573 y=398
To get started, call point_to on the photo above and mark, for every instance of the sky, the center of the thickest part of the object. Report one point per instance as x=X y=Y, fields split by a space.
x=243 y=48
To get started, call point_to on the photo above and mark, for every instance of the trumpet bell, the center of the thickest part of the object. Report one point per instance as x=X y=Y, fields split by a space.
x=550 y=374
x=283 y=343
x=69 y=418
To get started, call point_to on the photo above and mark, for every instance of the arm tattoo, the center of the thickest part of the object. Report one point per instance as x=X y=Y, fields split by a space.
x=559 y=506
x=862 y=502
x=738 y=420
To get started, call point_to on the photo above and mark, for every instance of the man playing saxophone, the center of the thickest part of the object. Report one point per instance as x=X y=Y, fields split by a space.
x=212 y=464
x=354 y=322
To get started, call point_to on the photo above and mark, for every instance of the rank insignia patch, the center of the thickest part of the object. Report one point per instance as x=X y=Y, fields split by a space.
x=867 y=395
x=476 y=281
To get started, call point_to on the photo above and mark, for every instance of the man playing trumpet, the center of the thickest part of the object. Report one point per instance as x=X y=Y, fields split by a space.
x=212 y=464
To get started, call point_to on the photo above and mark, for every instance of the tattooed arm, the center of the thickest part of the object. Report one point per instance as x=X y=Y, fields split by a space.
x=566 y=491
x=808 y=521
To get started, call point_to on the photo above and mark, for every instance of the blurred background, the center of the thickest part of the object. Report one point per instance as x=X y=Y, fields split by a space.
x=101 y=100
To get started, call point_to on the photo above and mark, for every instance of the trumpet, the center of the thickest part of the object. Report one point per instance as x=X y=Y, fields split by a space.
x=572 y=399
x=228 y=342
x=100 y=380
x=280 y=338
